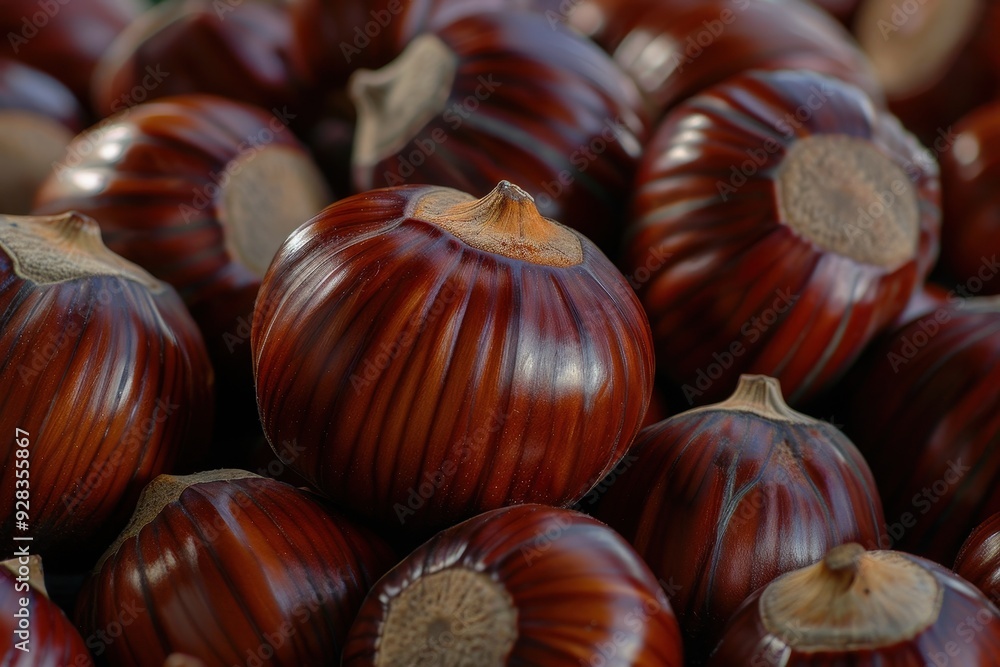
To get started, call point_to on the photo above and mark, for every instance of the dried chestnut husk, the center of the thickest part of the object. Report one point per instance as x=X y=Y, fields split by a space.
x=924 y=408
x=722 y=499
x=779 y=223
x=231 y=568
x=467 y=354
x=38 y=118
x=505 y=96
x=526 y=585
x=857 y=607
x=970 y=169
x=36 y=632
x=104 y=384
x=201 y=192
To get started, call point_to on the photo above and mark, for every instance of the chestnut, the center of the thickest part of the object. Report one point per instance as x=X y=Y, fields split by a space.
x=38 y=118
x=64 y=38
x=231 y=568
x=722 y=499
x=678 y=48
x=35 y=629
x=465 y=353
x=924 y=408
x=970 y=167
x=935 y=61
x=525 y=585
x=780 y=221
x=239 y=51
x=978 y=561
x=857 y=607
x=104 y=383
x=842 y=10
x=505 y=96
x=200 y=191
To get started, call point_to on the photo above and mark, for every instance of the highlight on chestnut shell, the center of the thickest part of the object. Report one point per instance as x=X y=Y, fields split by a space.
x=722 y=499
x=105 y=383
x=781 y=222
x=228 y=566
x=858 y=607
x=467 y=354
x=525 y=585
x=978 y=560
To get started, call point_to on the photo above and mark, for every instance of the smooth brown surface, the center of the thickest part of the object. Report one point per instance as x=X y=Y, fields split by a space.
x=978 y=560
x=232 y=567
x=428 y=380
x=729 y=285
x=581 y=595
x=721 y=501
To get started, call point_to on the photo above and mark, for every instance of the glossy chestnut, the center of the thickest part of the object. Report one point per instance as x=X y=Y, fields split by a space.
x=467 y=354
x=924 y=410
x=231 y=568
x=526 y=585
x=104 y=384
x=780 y=221
x=864 y=608
x=722 y=499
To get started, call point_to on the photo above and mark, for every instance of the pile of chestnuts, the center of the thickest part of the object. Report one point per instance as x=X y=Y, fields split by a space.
x=473 y=333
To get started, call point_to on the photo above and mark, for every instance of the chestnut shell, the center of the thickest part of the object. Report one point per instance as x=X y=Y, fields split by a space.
x=978 y=560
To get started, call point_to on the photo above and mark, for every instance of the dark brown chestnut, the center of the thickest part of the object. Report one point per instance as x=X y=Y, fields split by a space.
x=36 y=632
x=924 y=407
x=970 y=168
x=64 y=38
x=465 y=354
x=722 y=499
x=200 y=191
x=505 y=96
x=526 y=585
x=857 y=607
x=237 y=50
x=978 y=560
x=230 y=568
x=780 y=222
x=104 y=384
x=38 y=118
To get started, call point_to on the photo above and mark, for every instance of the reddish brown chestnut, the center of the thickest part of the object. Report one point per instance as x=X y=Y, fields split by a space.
x=237 y=50
x=36 y=632
x=200 y=191
x=527 y=585
x=864 y=608
x=234 y=569
x=970 y=168
x=466 y=354
x=38 y=118
x=925 y=409
x=722 y=499
x=65 y=38
x=505 y=96
x=979 y=558
x=104 y=384
x=780 y=222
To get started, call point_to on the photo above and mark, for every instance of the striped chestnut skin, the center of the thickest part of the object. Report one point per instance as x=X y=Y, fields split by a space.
x=676 y=49
x=239 y=51
x=38 y=118
x=857 y=607
x=200 y=191
x=234 y=569
x=525 y=585
x=978 y=560
x=505 y=96
x=722 y=499
x=779 y=223
x=36 y=631
x=65 y=39
x=435 y=356
x=104 y=384
x=924 y=407
x=970 y=233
